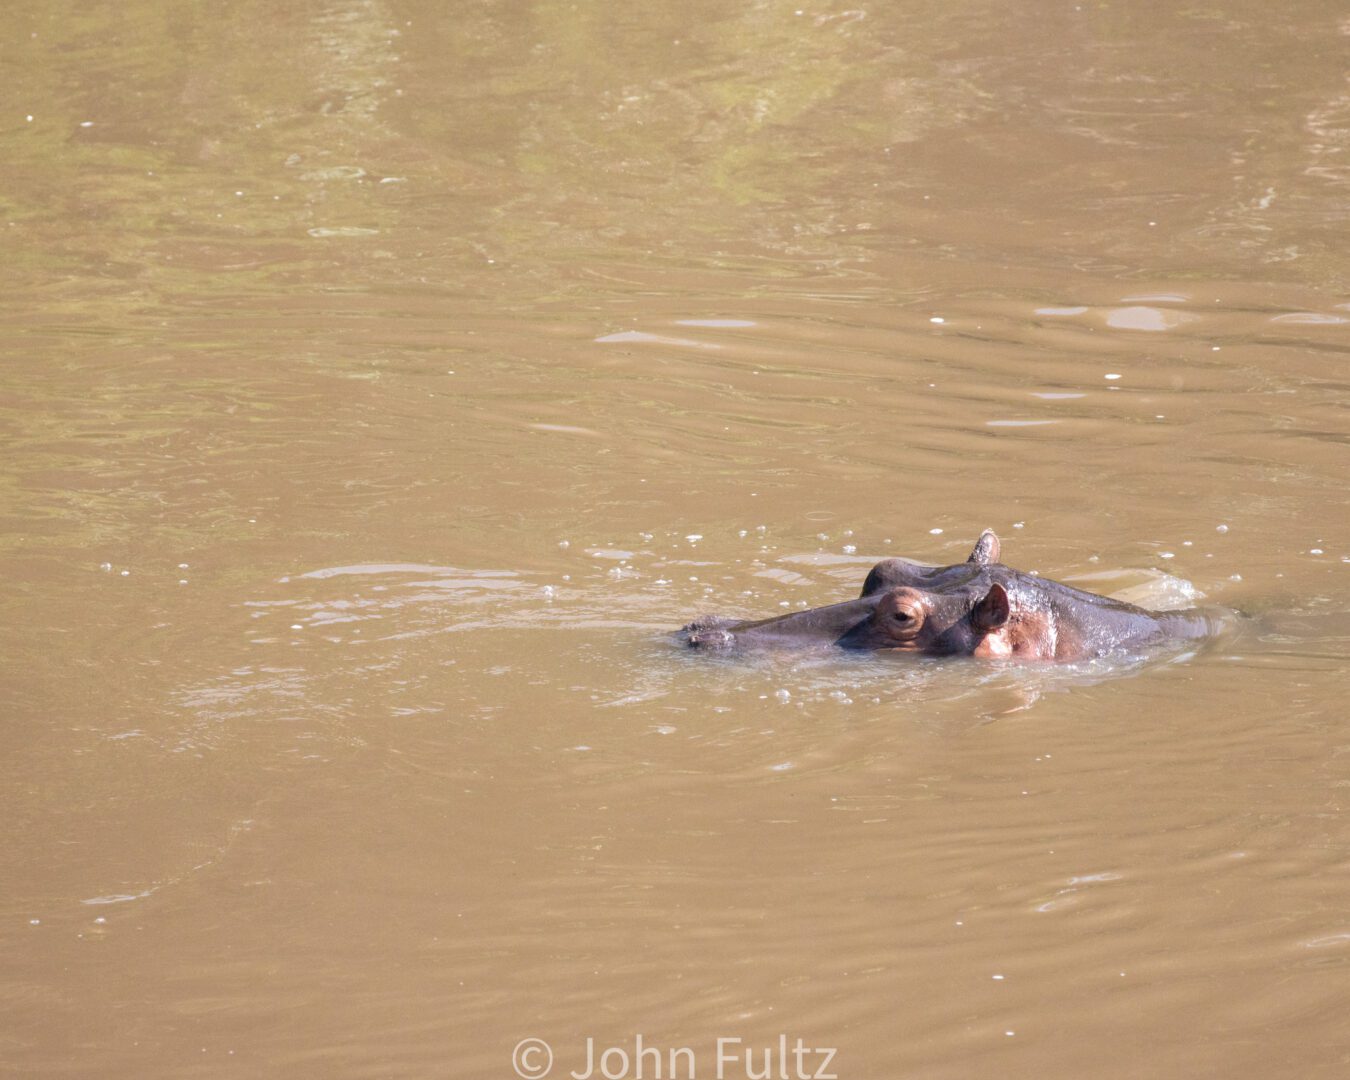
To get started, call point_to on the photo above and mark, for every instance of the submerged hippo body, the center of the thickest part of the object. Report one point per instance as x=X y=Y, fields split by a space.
x=976 y=608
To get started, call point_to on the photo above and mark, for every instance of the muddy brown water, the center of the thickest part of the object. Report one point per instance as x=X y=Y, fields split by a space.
x=383 y=381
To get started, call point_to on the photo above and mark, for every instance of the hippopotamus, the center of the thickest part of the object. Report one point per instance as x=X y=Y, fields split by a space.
x=976 y=608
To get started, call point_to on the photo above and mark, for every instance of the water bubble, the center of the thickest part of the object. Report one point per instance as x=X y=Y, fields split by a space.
x=783 y=696
x=1221 y=528
x=564 y=544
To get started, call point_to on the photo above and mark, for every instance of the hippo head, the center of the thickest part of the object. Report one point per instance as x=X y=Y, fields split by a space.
x=904 y=606
x=976 y=608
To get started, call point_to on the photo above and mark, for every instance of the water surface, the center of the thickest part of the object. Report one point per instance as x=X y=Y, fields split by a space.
x=382 y=383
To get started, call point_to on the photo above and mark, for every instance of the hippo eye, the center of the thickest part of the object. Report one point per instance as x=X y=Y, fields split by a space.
x=900 y=616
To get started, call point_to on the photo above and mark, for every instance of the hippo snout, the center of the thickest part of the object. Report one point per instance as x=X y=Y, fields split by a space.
x=709 y=633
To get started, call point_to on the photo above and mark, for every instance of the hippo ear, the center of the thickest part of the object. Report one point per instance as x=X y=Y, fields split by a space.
x=987 y=549
x=993 y=610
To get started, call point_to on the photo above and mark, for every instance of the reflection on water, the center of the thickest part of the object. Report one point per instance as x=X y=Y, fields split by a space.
x=384 y=382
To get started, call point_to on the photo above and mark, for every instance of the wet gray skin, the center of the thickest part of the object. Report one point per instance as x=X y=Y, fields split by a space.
x=976 y=608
